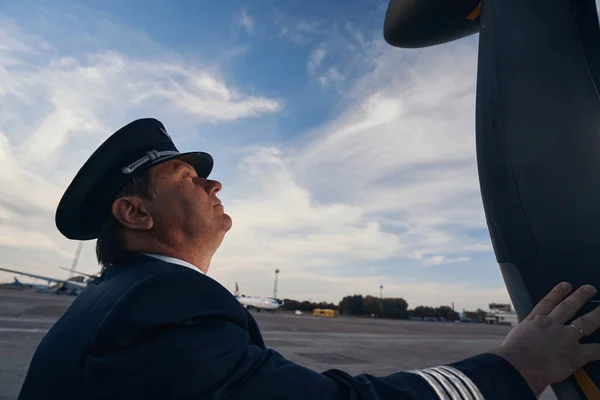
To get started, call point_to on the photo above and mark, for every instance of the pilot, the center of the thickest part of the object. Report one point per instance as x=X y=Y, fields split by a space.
x=155 y=326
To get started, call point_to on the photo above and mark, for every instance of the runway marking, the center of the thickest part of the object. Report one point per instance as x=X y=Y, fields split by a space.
x=399 y=335
x=23 y=330
x=19 y=319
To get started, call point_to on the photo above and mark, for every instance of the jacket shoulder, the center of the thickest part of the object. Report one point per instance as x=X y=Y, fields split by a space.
x=171 y=295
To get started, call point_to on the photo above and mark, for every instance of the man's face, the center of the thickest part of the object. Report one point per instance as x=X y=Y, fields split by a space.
x=186 y=206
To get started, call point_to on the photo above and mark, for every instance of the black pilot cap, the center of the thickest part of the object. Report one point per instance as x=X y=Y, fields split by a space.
x=135 y=147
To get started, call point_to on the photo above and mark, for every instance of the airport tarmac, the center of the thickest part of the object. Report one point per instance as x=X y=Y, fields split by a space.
x=355 y=345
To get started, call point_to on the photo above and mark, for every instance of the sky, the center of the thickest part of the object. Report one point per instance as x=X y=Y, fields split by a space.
x=346 y=163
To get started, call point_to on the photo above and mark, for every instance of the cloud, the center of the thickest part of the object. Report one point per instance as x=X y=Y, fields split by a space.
x=58 y=109
x=392 y=177
x=245 y=21
x=330 y=75
x=324 y=75
x=299 y=31
x=283 y=224
x=381 y=192
x=316 y=58
x=404 y=147
x=343 y=54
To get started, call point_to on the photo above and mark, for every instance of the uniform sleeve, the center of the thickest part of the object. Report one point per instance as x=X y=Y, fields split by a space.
x=213 y=359
x=150 y=347
x=485 y=376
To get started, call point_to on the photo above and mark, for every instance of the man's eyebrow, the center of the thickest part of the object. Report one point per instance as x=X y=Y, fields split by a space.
x=181 y=165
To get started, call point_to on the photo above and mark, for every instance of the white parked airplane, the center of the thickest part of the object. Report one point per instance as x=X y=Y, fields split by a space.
x=258 y=303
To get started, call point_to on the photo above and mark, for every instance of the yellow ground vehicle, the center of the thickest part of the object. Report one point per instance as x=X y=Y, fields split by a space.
x=320 y=312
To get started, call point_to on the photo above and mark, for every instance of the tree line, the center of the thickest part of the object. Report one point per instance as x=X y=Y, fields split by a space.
x=289 y=304
x=371 y=306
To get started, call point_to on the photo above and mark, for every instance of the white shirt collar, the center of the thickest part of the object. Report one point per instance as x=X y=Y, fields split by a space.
x=175 y=261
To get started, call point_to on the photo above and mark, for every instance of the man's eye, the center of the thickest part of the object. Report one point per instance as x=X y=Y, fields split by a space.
x=186 y=175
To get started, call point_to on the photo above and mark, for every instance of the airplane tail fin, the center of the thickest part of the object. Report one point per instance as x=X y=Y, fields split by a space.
x=237 y=289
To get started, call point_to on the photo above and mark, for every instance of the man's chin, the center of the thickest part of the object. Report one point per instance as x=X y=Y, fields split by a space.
x=228 y=222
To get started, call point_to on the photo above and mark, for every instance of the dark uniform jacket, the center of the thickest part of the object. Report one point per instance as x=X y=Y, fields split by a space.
x=150 y=329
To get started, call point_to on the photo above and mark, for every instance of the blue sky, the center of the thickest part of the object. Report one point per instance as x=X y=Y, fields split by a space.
x=346 y=163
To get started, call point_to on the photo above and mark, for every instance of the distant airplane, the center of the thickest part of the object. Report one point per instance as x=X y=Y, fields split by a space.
x=258 y=303
x=72 y=286
x=16 y=285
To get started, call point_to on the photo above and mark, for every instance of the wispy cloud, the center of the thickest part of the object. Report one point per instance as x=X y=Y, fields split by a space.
x=299 y=31
x=406 y=148
x=392 y=177
x=56 y=110
x=382 y=191
x=330 y=75
x=246 y=21
x=316 y=58
x=324 y=75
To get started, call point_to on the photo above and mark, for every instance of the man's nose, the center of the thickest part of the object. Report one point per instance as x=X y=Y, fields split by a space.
x=212 y=187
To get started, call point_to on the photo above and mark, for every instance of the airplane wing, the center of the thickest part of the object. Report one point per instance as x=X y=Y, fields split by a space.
x=81 y=273
x=46 y=278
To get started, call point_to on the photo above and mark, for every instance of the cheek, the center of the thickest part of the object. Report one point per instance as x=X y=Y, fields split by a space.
x=188 y=203
x=195 y=206
x=162 y=213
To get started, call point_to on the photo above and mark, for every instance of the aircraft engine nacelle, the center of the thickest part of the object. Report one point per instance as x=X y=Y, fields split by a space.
x=423 y=23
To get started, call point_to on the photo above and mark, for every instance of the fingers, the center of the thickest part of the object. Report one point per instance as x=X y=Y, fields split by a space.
x=589 y=323
x=551 y=300
x=568 y=308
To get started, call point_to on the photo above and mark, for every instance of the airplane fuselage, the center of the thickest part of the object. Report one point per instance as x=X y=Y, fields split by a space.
x=259 y=303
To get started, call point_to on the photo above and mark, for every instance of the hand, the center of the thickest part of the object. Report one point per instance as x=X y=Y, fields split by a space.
x=544 y=347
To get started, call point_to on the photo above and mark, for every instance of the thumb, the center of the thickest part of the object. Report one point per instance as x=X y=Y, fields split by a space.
x=590 y=352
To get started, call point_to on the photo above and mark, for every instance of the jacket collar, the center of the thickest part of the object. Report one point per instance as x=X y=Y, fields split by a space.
x=128 y=259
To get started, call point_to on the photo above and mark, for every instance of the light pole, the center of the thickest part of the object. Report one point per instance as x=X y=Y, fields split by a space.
x=381 y=298
x=75 y=259
x=275 y=289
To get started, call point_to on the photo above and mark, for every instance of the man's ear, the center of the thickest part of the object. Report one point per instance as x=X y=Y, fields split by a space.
x=131 y=212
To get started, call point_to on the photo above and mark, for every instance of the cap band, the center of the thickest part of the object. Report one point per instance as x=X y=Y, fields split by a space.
x=150 y=156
